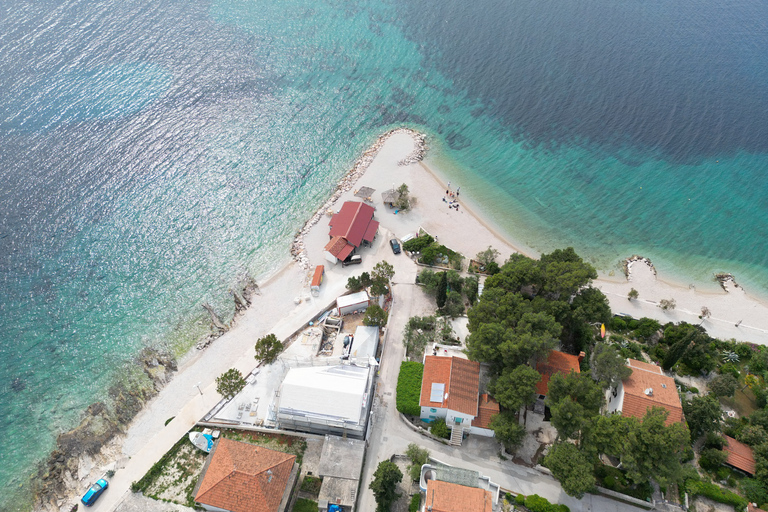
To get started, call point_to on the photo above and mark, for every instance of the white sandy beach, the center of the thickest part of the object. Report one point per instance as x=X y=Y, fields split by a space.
x=275 y=309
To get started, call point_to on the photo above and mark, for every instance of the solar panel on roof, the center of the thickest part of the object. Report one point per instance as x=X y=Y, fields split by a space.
x=436 y=393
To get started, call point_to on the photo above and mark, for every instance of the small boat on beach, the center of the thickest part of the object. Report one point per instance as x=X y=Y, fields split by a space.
x=202 y=441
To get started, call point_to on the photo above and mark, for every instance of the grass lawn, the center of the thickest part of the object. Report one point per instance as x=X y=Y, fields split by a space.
x=305 y=505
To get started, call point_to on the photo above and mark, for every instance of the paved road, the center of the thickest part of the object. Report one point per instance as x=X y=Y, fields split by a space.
x=390 y=435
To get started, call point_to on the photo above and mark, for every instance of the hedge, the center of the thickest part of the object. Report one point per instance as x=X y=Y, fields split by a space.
x=409 y=388
x=415 y=503
x=536 y=503
x=715 y=493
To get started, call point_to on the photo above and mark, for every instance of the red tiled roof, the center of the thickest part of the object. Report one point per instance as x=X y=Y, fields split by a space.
x=462 y=383
x=339 y=247
x=242 y=477
x=739 y=455
x=556 y=362
x=448 y=497
x=352 y=222
x=373 y=227
x=663 y=392
x=486 y=410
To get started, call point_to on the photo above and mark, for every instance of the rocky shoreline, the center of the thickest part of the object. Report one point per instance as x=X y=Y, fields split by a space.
x=298 y=250
x=90 y=443
x=725 y=279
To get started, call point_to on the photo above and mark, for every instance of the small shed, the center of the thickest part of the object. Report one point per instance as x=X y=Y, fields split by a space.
x=389 y=197
x=353 y=302
x=317 y=280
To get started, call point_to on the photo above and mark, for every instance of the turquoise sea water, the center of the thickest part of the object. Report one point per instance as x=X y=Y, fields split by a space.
x=154 y=153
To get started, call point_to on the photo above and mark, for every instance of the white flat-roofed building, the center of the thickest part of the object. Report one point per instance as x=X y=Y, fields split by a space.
x=326 y=400
x=353 y=303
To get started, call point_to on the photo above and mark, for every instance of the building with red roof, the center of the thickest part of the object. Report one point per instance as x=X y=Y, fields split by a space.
x=556 y=362
x=450 y=389
x=353 y=226
x=450 y=497
x=740 y=456
x=647 y=387
x=241 y=477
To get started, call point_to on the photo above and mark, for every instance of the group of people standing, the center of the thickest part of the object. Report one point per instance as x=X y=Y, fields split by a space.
x=452 y=198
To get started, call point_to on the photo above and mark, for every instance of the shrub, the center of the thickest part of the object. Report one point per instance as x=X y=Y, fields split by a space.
x=305 y=505
x=409 y=388
x=536 y=503
x=520 y=499
x=311 y=484
x=415 y=502
x=418 y=244
x=440 y=429
x=715 y=493
x=754 y=490
x=712 y=458
x=617 y=324
x=419 y=456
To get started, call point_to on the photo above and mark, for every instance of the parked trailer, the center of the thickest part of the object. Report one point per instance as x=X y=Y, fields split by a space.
x=317 y=280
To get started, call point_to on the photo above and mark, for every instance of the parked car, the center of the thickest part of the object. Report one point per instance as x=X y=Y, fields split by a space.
x=353 y=260
x=395 y=246
x=94 y=492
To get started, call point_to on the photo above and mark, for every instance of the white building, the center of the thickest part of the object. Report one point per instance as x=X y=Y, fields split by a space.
x=364 y=345
x=326 y=400
x=353 y=303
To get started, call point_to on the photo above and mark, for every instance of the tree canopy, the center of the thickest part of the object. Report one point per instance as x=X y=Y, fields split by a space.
x=268 y=348
x=230 y=383
x=571 y=468
x=608 y=365
x=515 y=388
x=703 y=414
x=384 y=485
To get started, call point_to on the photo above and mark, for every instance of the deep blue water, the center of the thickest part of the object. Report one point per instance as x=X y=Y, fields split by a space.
x=153 y=153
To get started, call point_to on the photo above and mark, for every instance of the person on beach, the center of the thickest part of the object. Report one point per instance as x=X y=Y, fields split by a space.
x=457 y=191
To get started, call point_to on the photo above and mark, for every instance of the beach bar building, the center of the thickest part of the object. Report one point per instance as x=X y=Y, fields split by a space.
x=353 y=303
x=352 y=227
x=326 y=400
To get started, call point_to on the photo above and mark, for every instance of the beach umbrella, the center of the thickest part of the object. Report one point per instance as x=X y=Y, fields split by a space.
x=602 y=331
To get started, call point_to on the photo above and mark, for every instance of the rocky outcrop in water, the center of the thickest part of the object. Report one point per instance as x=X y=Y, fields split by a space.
x=637 y=258
x=298 y=251
x=725 y=279
x=62 y=473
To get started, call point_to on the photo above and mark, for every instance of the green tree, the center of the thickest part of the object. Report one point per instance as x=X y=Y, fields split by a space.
x=442 y=290
x=633 y=294
x=712 y=458
x=571 y=468
x=470 y=289
x=419 y=456
x=230 y=383
x=487 y=256
x=440 y=429
x=752 y=435
x=608 y=365
x=375 y=316
x=383 y=271
x=403 y=201
x=703 y=414
x=647 y=449
x=268 y=348
x=724 y=385
x=574 y=400
x=517 y=387
x=564 y=272
x=384 y=485
x=507 y=430
x=454 y=305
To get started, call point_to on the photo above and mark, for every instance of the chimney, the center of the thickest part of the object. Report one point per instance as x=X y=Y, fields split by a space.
x=582 y=355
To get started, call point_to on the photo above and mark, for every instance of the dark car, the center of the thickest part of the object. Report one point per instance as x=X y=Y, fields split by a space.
x=395 y=246
x=94 y=492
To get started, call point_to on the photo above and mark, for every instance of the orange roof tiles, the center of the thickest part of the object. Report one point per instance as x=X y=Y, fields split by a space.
x=556 y=362
x=640 y=365
x=448 y=497
x=739 y=455
x=339 y=247
x=486 y=410
x=662 y=392
x=242 y=477
x=462 y=383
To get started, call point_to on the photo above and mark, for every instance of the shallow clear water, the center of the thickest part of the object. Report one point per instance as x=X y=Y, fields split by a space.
x=153 y=153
